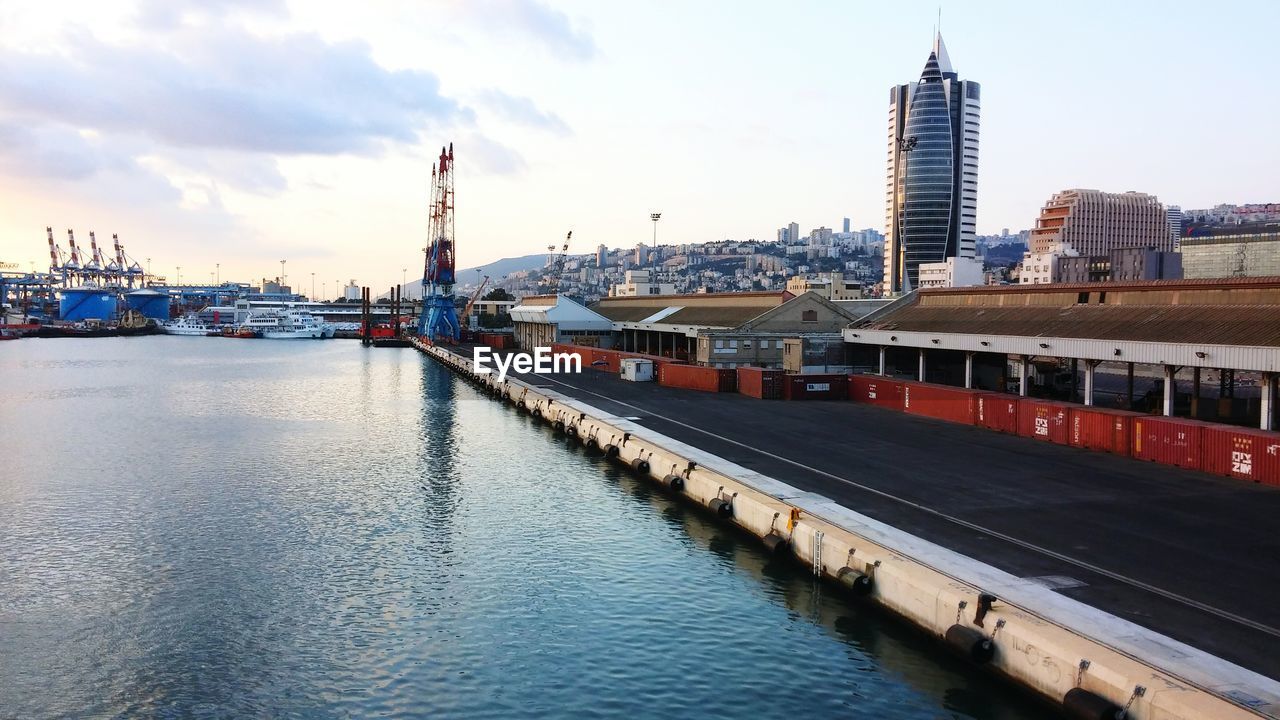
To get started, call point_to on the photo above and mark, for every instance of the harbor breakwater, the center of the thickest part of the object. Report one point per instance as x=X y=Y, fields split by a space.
x=1093 y=663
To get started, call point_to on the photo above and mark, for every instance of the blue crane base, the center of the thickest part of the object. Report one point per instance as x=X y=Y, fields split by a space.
x=439 y=319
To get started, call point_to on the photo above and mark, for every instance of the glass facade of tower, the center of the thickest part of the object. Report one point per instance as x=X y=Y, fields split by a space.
x=931 y=204
x=928 y=181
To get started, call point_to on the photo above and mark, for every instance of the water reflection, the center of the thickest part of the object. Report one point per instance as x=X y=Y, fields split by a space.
x=323 y=530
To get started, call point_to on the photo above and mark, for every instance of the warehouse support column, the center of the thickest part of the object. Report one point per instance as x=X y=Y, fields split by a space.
x=1268 y=397
x=1195 y=393
x=1129 y=397
x=1089 y=367
x=1169 y=390
x=659 y=344
x=1023 y=365
x=921 y=373
x=968 y=370
x=882 y=359
x=1075 y=374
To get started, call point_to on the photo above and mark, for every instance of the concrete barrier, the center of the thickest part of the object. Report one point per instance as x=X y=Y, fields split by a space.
x=1042 y=640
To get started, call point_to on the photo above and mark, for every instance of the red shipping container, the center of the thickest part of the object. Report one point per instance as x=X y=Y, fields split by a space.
x=760 y=383
x=1168 y=440
x=1102 y=429
x=943 y=402
x=698 y=377
x=1245 y=453
x=876 y=390
x=815 y=387
x=1044 y=420
x=997 y=411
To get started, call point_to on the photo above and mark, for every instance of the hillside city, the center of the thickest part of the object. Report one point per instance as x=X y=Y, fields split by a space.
x=849 y=264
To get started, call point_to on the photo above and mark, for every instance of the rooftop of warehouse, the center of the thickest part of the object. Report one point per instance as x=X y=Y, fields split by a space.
x=1231 y=311
x=701 y=309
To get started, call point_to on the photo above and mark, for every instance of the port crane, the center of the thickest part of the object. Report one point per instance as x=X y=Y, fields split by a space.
x=439 y=319
x=556 y=264
x=466 y=313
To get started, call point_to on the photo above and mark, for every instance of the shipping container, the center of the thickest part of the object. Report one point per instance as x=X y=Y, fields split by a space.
x=583 y=354
x=1044 y=420
x=1245 y=453
x=997 y=411
x=760 y=383
x=943 y=402
x=876 y=390
x=1168 y=440
x=815 y=386
x=698 y=377
x=1102 y=429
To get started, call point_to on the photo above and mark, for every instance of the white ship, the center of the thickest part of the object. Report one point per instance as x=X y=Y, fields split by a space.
x=286 y=325
x=187 y=325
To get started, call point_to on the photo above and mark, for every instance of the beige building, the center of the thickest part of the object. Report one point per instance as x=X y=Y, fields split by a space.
x=1041 y=268
x=1095 y=222
x=761 y=341
x=642 y=282
x=832 y=286
x=1224 y=256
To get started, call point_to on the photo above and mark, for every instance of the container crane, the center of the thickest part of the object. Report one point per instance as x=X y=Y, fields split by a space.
x=73 y=266
x=556 y=264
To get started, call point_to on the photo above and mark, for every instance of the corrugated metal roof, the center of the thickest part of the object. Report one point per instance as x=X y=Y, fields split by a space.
x=702 y=309
x=721 y=316
x=1249 y=325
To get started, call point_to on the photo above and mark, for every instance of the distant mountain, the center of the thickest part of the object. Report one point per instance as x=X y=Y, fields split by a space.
x=495 y=270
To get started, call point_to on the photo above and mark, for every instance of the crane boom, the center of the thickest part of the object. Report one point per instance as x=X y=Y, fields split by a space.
x=557 y=264
x=466 y=313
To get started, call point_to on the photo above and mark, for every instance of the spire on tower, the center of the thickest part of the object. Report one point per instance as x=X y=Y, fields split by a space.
x=940 y=50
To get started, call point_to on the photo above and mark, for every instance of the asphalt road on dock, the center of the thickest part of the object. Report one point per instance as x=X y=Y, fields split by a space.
x=1192 y=556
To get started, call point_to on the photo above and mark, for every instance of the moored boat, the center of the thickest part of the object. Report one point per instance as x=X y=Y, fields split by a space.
x=189 y=324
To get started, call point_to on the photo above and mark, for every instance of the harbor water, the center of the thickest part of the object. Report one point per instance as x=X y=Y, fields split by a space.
x=202 y=527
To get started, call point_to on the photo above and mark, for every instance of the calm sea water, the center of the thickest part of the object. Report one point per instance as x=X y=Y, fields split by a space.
x=200 y=527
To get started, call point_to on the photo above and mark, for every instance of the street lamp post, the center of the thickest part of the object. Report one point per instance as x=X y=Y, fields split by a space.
x=313 y=287
x=179 y=280
x=218 y=273
x=655 y=217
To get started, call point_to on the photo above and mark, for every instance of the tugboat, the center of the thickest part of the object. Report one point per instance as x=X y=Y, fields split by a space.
x=135 y=323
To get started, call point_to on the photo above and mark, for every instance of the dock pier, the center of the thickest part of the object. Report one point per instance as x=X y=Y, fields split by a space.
x=1092 y=663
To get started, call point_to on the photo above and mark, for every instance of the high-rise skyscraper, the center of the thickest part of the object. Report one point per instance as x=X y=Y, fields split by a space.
x=931 y=207
x=1174 y=215
x=846 y=225
x=602 y=256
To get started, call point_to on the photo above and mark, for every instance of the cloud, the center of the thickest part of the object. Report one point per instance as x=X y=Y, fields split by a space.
x=168 y=14
x=61 y=153
x=523 y=111
x=548 y=26
x=490 y=156
x=228 y=89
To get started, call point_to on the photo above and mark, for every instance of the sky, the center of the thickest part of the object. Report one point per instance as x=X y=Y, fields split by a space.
x=223 y=136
